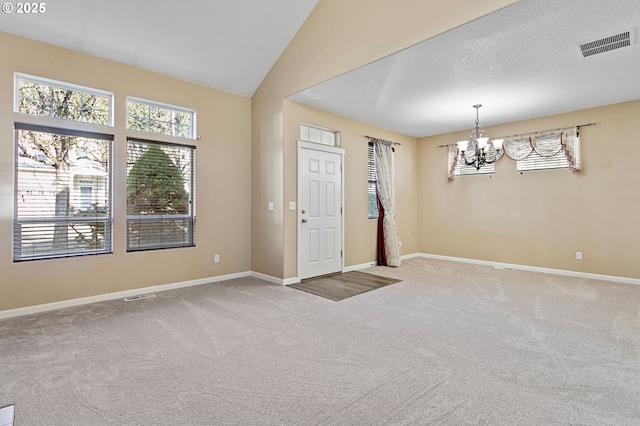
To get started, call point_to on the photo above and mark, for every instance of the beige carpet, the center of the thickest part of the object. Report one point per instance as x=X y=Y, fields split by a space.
x=452 y=344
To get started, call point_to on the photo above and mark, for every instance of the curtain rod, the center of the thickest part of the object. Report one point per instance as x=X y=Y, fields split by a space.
x=371 y=137
x=560 y=128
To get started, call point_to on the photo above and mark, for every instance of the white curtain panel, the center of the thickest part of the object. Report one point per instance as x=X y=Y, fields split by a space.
x=386 y=193
x=453 y=160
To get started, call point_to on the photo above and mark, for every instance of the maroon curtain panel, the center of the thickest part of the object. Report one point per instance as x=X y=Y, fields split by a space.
x=381 y=254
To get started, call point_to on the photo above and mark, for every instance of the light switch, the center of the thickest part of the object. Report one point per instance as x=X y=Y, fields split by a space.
x=292 y=205
x=270 y=205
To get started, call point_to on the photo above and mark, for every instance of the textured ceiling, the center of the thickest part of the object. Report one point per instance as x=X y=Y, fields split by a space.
x=519 y=62
x=227 y=44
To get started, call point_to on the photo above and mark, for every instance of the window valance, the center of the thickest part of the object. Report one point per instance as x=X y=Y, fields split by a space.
x=547 y=143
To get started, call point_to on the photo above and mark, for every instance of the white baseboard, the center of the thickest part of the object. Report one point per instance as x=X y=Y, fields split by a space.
x=117 y=295
x=296 y=280
x=144 y=290
x=374 y=263
x=360 y=266
x=614 y=278
x=275 y=280
x=409 y=256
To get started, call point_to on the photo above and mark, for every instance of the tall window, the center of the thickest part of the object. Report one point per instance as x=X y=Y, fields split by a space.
x=63 y=193
x=373 y=185
x=154 y=117
x=63 y=174
x=160 y=195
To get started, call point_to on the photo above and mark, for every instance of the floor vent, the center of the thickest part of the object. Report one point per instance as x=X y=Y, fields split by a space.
x=138 y=297
x=504 y=268
x=605 y=44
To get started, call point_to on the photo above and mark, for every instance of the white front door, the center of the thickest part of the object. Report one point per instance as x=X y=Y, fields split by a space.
x=319 y=212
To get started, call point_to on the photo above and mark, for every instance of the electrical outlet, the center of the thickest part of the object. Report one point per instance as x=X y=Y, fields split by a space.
x=216 y=258
x=578 y=255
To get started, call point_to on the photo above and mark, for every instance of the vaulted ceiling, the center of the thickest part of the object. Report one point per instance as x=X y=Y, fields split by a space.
x=227 y=44
x=520 y=62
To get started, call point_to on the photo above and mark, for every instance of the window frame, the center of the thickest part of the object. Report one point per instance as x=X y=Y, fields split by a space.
x=559 y=160
x=141 y=218
x=173 y=108
x=321 y=135
x=464 y=170
x=371 y=171
x=63 y=85
x=18 y=222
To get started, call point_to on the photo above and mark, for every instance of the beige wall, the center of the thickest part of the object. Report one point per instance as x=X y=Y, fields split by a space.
x=541 y=218
x=360 y=231
x=247 y=157
x=223 y=182
x=337 y=37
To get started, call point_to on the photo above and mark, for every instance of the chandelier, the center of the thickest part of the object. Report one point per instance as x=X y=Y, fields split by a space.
x=479 y=149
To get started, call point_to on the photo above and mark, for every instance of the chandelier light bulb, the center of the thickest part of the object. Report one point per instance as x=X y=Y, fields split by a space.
x=482 y=142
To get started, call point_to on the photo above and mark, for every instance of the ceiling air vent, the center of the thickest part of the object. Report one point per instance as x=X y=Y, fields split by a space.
x=605 y=44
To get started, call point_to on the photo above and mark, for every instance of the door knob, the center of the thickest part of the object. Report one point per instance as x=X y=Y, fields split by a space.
x=304 y=220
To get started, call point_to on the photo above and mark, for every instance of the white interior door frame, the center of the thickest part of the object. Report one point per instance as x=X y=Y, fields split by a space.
x=323 y=148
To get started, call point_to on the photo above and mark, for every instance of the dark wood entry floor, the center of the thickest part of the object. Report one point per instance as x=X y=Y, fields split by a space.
x=342 y=286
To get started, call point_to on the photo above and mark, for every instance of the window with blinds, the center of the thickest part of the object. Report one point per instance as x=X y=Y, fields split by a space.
x=160 y=195
x=559 y=160
x=63 y=193
x=464 y=170
x=373 y=185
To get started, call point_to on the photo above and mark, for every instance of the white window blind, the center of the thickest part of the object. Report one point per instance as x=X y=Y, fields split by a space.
x=535 y=161
x=373 y=185
x=464 y=170
x=63 y=193
x=160 y=195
